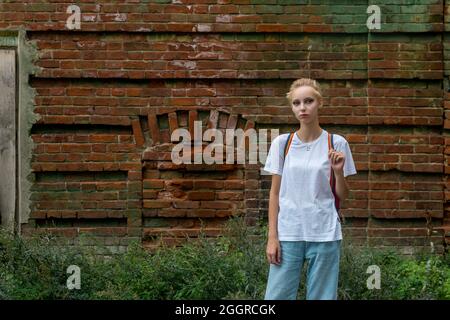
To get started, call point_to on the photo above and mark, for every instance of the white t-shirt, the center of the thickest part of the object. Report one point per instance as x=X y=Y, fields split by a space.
x=306 y=202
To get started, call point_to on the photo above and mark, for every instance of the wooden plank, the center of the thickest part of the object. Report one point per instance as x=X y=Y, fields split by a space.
x=8 y=144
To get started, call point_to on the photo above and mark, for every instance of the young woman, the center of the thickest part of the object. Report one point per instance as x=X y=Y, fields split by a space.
x=304 y=222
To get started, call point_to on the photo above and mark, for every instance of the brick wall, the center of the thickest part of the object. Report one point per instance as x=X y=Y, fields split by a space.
x=109 y=95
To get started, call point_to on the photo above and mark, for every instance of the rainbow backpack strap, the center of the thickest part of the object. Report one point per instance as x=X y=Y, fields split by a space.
x=288 y=144
x=333 y=181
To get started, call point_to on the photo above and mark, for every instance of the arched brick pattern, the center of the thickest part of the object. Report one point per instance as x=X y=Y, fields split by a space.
x=182 y=200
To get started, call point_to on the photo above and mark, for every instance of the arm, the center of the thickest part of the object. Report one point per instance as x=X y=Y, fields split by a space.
x=337 y=159
x=342 y=188
x=273 y=245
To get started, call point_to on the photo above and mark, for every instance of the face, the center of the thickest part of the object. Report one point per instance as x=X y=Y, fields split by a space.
x=305 y=102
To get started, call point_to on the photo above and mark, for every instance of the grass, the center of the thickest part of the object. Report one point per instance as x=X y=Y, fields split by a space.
x=230 y=267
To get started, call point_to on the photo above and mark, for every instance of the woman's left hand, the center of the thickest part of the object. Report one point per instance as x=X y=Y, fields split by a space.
x=337 y=160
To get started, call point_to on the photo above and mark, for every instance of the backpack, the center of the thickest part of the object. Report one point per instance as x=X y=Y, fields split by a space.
x=332 y=177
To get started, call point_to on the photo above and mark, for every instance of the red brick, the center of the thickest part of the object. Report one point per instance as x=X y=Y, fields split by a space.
x=157 y=204
x=153 y=184
x=215 y=204
x=201 y=195
x=208 y=184
x=387 y=155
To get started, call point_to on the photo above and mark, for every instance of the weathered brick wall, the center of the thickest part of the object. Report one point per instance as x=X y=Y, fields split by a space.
x=109 y=95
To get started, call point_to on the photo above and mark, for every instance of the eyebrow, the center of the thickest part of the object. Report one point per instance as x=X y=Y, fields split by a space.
x=305 y=98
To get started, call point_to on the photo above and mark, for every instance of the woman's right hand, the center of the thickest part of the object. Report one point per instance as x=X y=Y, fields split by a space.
x=273 y=251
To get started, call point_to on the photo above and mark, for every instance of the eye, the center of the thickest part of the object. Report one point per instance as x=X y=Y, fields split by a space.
x=309 y=101
x=296 y=102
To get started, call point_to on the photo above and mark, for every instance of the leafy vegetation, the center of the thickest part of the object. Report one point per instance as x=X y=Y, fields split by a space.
x=233 y=266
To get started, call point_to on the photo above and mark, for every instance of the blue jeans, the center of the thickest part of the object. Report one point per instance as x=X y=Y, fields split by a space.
x=322 y=274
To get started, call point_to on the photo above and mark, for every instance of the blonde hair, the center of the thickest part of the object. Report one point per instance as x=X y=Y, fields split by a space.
x=304 y=82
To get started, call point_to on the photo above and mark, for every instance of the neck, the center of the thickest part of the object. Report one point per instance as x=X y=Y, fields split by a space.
x=309 y=132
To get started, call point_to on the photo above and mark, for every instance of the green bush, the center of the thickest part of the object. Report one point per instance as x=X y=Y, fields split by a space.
x=232 y=266
x=402 y=277
x=37 y=269
x=225 y=268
